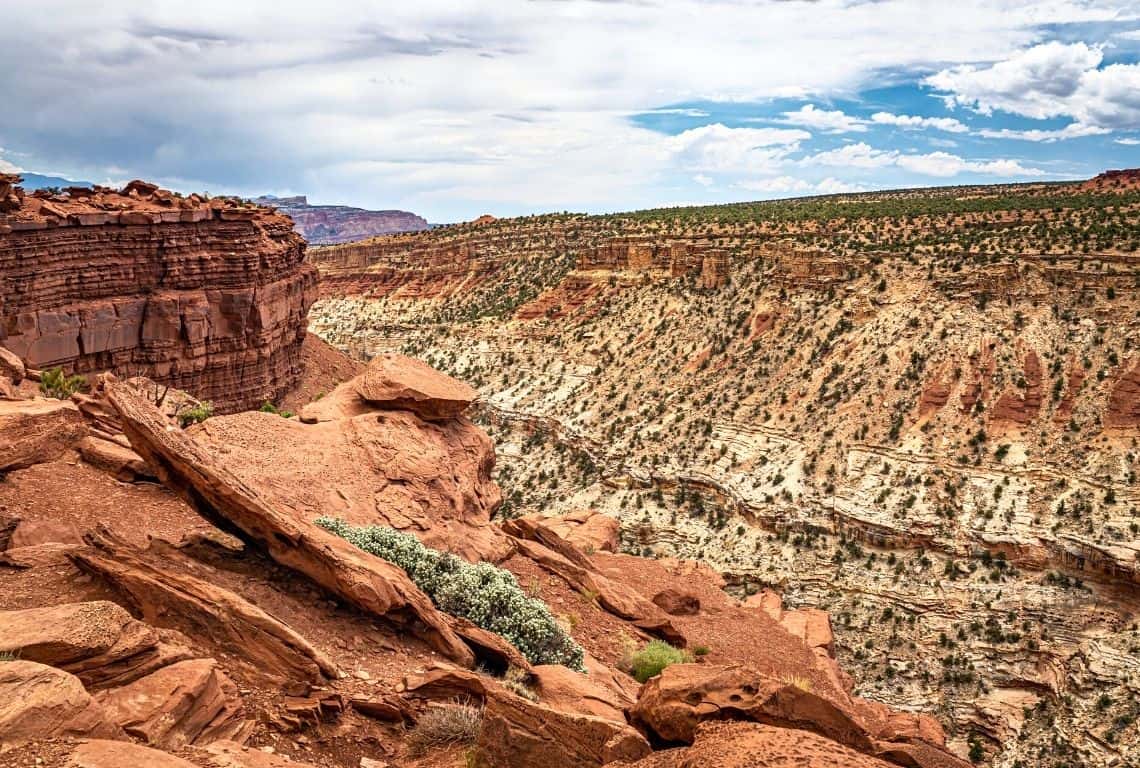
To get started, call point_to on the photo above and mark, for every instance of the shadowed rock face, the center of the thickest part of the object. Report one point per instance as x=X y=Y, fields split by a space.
x=203 y=295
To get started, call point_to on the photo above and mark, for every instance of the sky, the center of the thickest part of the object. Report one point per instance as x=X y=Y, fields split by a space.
x=455 y=109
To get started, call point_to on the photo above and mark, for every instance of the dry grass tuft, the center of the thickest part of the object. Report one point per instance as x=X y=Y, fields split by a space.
x=446 y=725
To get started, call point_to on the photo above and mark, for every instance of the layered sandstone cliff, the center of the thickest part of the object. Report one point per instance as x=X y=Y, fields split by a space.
x=328 y=224
x=209 y=296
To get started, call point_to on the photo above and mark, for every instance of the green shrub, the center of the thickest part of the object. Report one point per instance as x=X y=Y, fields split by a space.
x=481 y=592
x=269 y=407
x=654 y=657
x=197 y=414
x=55 y=383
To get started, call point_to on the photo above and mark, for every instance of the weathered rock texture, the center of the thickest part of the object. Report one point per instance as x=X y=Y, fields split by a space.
x=209 y=296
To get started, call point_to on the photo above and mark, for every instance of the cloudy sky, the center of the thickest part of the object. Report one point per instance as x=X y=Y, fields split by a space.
x=453 y=109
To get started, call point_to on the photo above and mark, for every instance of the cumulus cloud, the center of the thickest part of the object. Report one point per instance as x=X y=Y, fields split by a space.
x=860 y=155
x=938 y=164
x=827 y=121
x=913 y=122
x=718 y=148
x=789 y=185
x=1070 y=131
x=1050 y=80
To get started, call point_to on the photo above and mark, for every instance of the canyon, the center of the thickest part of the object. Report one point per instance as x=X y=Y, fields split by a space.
x=321 y=570
x=916 y=411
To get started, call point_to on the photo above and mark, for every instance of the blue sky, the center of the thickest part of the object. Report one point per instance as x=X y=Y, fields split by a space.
x=519 y=106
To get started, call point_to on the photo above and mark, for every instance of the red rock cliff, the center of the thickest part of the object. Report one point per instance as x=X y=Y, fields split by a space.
x=210 y=296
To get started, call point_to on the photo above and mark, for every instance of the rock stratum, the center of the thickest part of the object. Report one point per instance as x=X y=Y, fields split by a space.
x=915 y=410
x=327 y=224
x=208 y=296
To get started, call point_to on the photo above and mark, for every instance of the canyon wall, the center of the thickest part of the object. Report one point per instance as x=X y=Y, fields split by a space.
x=915 y=411
x=209 y=296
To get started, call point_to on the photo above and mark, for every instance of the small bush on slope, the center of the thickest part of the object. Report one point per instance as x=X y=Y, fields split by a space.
x=55 y=383
x=654 y=657
x=482 y=593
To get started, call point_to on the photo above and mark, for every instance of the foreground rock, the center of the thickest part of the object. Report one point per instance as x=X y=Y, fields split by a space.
x=673 y=705
x=371 y=584
x=191 y=702
x=37 y=431
x=751 y=745
x=121 y=754
x=404 y=383
x=159 y=582
x=99 y=642
x=518 y=733
x=41 y=702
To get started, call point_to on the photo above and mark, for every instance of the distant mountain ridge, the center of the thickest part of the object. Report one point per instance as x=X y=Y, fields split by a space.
x=330 y=224
x=34 y=181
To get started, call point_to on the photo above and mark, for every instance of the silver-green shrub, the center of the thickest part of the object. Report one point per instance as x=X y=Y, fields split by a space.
x=481 y=593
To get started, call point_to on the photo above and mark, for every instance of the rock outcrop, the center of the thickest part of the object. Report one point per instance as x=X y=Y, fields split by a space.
x=397 y=382
x=191 y=702
x=98 y=642
x=373 y=585
x=42 y=702
x=329 y=224
x=168 y=590
x=209 y=296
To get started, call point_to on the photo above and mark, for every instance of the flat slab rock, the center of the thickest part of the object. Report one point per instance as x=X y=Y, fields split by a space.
x=42 y=702
x=399 y=382
x=99 y=641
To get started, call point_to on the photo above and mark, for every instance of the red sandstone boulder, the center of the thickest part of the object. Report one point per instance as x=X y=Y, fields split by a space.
x=41 y=702
x=99 y=642
x=380 y=467
x=675 y=602
x=37 y=431
x=518 y=733
x=11 y=366
x=564 y=690
x=675 y=703
x=287 y=534
x=684 y=695
x=404 y=383
x=191 y=702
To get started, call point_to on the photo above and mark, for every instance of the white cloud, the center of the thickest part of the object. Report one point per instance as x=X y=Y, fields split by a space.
x=1070 y=131
x=786 y=185
x=940 y=164
x=1036 y=82
x=718 y=148
x=861 y=155
x=1128 y=142
x=703 y=180
x=1046 y=81
x=913 y=122
x=833 y=121
x=944 y=164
